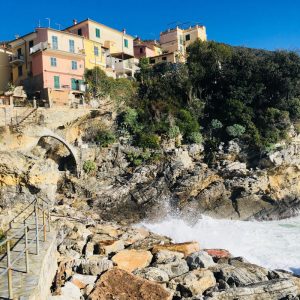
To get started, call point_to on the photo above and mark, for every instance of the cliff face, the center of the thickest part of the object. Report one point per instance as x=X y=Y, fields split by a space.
x=237 y=186
x=182 y=183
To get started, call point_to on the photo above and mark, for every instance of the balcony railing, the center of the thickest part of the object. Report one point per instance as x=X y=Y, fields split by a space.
x=17 y=59
x=39 y=47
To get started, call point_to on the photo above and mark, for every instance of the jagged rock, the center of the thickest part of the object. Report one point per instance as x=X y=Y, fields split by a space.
x=132 y=236
x=83 y=280
x=218 y=253
x=166 y=256
x=241 y=274
x=185 y=248
x=95 y=265
x=119 y=284
x=193 y=283
x=153 y=274
x=71 y=291
x=109 y=246
x=130 y=260
x=199 y=259
x=175 y=268
x=269 y=290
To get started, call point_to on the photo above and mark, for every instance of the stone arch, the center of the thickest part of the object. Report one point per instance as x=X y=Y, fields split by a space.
x=71 y=149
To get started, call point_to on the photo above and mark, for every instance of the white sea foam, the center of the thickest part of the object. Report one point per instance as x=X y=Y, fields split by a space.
x=275 y=244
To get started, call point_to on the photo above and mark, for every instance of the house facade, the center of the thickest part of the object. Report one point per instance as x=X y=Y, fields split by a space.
x=5 y=69
x=146 y=48
x=107 y=46
x=53 y=65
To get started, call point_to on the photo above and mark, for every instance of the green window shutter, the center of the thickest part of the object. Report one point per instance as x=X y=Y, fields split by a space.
x=125 y=43
x=74 y=84
x=97 y=32
x=56 y=82
x=72 y=46
x=54 y=42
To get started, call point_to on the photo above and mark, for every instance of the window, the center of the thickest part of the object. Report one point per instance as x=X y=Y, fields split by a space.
x=188 y=37
x=141 y=50
x=181 y=39
x=96 y=51
x=30 y=44
x=71 y=46
x=97 y=32
x=19 y=52
x=20 y=71
x=152 y=61
x=164 y=58
x=79 y=31
x=54 y=42
x=56 y=82
x=53 y=61
x=74 y=84
x=125 y=43
x=74 y=65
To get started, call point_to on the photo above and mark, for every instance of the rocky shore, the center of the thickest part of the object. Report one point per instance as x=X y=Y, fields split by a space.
x=101 y=261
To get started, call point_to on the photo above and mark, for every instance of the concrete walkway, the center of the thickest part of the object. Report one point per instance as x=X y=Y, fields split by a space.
x=29 y=285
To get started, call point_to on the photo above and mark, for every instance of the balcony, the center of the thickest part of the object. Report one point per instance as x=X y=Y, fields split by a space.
x=39 y=47
x=17 y=59
x=123 y=67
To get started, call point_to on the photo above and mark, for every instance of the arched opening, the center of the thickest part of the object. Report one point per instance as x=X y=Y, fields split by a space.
x=59 y=151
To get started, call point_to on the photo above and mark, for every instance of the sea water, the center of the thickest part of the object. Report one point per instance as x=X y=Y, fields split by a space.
x=272 y=244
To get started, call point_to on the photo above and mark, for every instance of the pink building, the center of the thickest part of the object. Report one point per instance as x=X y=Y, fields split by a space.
x=146 y=48
x=58 y=66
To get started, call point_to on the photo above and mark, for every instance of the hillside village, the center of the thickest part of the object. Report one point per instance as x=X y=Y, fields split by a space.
x=48 y=65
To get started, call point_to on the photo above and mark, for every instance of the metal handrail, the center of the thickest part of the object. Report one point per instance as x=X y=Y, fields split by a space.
x=25 y=252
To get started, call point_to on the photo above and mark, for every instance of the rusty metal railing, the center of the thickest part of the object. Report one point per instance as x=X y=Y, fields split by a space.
x=22 y=233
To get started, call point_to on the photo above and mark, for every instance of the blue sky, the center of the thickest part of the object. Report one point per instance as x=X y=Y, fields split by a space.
x=258 y=23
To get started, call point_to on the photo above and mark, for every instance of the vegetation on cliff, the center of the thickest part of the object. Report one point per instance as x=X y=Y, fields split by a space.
x=222 y=92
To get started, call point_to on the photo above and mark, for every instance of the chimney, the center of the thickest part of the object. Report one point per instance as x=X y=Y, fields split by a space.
x=124 y=31
x=74 y=22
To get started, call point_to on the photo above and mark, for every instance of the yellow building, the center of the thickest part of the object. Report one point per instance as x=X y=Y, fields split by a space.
x=106 y=47
x=21 y=61
x=177 y=40
x=5 y=70
x=95 y=54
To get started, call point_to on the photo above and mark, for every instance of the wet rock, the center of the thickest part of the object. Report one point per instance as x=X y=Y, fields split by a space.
x=119 y=284
x=199 y=259
x=130 y=260
x=218 y=253
x=193 y=283
x=109 y=246
x=269 y=290
x=185 y=248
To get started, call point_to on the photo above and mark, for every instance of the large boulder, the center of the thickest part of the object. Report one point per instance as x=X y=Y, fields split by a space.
x=130 y=260
x=175 y=268
x=269 y=290
x=153 y=274
x=119 y=284
x=199 y=259
x=95 y=265
x=185 y=248
x=193 y=283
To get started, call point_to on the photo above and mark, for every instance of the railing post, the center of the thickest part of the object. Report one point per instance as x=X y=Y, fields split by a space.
x=9 y=271
x=49 y=220
x=26 y=249
x=44 y=226
x=37 y=230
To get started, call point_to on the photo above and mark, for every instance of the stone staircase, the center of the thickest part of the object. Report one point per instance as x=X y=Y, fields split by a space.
x=26 y=255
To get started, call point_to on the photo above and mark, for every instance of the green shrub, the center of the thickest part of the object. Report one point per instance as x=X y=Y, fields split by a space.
x=216 y=124
x=105 y=138
x=89 y=166
x=195 y=137
x=147 y=140
x=235 y=130
x=174 y=132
